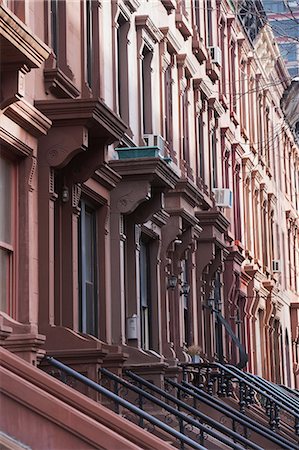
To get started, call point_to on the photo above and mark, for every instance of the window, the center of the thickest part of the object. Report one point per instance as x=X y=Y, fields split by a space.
x=7 y=227
x=168 y=105
x=88 y=270
x=54 y=25
x=185 y=118
x=217 y=323
x=185 y=302
x=88 y=41
x=233 y=92
x=200 y=144
x=214 y=174
x=122 y=68
x=145 y=293
x=210 y=23
x=147 y=90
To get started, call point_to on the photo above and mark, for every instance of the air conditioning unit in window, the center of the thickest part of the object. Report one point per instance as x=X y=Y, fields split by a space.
x=216 y=55
x=276 y=266
x=223 y=197
x=155 y=140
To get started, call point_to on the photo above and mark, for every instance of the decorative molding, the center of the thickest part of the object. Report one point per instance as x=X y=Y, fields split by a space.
x=182 y=23
x=169 y=5
x=13 y=85
x=32 y=173
x=200 y=84
x=29 y=118
x=18 y=44
x=173 y=44
x=198 y=48
x=59 y=84
x=146 y=24
x=108 y=177
x=216 y=106
x=94 y=114
x=156 y=170
x=15 y=144
x=184 y=61
x=133 y=5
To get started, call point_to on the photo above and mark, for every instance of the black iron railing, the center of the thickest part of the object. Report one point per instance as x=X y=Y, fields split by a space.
x=140 y=413
x=199 y=396
x=224 y=381
x=200 y=421
x=270 y=388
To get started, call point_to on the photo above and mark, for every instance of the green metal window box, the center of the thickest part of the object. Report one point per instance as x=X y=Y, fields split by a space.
x=141 y=152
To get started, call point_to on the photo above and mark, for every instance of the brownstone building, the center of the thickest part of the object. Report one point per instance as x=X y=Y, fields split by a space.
x=149 y=205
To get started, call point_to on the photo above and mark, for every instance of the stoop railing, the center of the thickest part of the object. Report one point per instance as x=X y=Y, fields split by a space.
x=186 y=415
x=198 y=396
x=143 y=416
x=229 y=381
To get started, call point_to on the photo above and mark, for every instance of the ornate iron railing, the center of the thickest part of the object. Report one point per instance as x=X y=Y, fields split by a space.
x=195 y=418
x=270 y=388
x=218 y=379
x=143 y=416
x=198 y=395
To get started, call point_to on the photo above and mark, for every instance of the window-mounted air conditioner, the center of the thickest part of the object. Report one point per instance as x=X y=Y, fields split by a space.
x=276 y=266
x=155 y=140
x=216 y=55
x=223 y=197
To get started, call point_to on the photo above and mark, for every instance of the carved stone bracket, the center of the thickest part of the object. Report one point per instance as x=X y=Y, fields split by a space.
x=126 y=197
x=62 y=144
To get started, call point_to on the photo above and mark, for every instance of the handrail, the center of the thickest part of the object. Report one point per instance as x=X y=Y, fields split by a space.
x=232 y=413
x=243 y=380
x=263 y=384
x=242 y=352
x=193 y=411
x=277 y=389
x=294 y=392
x=174 y=411
x=134 y=409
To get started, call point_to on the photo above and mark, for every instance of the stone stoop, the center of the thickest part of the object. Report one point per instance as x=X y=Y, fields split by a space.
x=39 y=408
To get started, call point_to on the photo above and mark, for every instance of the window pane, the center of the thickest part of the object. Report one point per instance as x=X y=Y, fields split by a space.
x=87 y=270
x=4 y=280
x=6 y=174
x=89 y=246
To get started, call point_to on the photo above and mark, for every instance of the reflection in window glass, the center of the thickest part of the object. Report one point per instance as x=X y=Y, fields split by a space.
x=6 y=174
x=6 y=232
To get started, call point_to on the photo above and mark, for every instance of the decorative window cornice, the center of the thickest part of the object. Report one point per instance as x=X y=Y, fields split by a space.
x=200 y=84
x=172 y=42
x=146 y=24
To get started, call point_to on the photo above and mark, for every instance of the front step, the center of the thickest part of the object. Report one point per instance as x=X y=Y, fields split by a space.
x=39 y=408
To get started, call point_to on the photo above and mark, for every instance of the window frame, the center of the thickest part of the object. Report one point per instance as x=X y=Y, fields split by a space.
x=85 y=204
x=11 y=247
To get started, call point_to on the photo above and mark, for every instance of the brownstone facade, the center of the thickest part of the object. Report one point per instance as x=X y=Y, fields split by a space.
x=122 y=125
